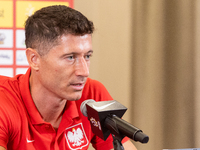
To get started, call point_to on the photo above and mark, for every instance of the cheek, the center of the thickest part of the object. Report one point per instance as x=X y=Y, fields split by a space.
x=62 y=73
x=88 y=65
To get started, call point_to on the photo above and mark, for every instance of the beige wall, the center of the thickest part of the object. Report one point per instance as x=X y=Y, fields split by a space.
x=111 y=45
x=111 y=62
x=146 y=52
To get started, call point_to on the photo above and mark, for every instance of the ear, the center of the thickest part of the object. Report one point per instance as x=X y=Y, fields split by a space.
x=33 y=58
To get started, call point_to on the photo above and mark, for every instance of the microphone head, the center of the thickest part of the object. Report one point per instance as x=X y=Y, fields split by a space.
x=97 y=113
x=83 y=106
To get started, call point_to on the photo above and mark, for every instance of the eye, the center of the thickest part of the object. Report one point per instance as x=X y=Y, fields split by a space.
x=71 y=57
x=87 y=57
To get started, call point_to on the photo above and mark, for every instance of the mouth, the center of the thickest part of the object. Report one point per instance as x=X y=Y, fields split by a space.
x=77 y=86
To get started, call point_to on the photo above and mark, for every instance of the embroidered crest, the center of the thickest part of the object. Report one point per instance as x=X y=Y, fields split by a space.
x=76 y=137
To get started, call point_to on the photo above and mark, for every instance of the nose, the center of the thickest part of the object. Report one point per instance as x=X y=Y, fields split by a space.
x=82 y=67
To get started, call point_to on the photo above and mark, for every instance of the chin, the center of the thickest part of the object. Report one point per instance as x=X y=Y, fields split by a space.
x=74 y=98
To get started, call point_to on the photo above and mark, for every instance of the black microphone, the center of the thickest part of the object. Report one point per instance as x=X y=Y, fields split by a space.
x=105 y=118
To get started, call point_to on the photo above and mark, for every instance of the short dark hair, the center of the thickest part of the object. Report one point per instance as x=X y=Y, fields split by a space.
x=44 y=28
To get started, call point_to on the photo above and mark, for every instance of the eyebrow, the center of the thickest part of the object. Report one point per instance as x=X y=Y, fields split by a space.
x=90 y=51
x=75 y=53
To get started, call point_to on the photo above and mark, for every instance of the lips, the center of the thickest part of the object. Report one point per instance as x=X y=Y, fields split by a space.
x=77 y=86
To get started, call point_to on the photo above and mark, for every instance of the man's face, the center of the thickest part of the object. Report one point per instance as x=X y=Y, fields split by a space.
x=64 y=69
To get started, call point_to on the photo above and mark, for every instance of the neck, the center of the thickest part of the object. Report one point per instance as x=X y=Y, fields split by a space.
x=51 y=111
x=50 y=107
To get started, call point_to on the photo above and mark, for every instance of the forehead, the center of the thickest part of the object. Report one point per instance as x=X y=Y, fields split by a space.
x=69 y=38
x=73 y=43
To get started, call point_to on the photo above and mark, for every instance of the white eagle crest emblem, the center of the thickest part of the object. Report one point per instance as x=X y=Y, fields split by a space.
x=75 y=137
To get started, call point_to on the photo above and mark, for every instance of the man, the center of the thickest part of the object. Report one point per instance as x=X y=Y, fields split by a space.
x=41 y=109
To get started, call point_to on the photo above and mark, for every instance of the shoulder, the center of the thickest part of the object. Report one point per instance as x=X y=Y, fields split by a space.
x=11 y=111
x=9 y=90
x=95 y=90
x=92 y=81
x=94 y=85
x=11 y=104
x=9 y=83
x=4 y=80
